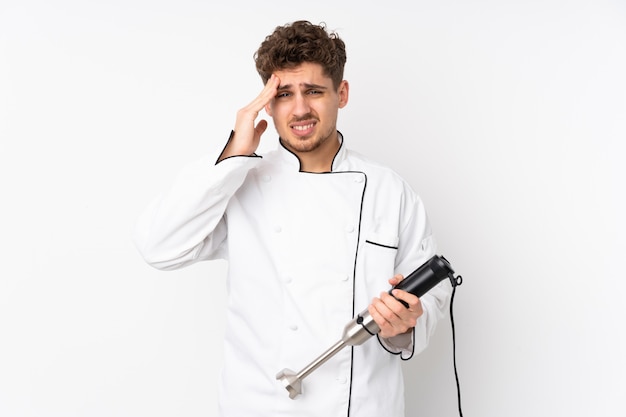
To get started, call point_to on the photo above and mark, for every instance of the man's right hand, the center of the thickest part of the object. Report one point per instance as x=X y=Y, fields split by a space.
x=247 y=136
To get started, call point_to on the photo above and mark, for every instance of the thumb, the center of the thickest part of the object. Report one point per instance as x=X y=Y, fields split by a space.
x=261 y=127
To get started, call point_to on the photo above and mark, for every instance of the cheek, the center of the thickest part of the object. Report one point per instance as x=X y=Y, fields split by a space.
x=279 y=111
x=329 y=112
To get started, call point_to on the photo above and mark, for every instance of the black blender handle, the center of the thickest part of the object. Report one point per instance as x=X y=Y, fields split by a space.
x=431 y=273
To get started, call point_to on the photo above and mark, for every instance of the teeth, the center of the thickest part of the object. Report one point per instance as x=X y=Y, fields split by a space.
x=303 y=127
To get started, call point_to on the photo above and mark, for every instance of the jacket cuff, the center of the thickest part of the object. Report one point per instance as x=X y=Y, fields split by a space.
x=220 y=159
x=402 y=344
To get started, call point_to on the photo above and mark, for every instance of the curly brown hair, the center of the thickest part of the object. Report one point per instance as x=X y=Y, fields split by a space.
x=301 y=41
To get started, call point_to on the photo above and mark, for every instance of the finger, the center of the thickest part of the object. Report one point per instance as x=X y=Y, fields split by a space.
x=375 y=311
x=409 y=315
x=264 y=97
x=269 y=91
x=389 y=308
x=396 y=279
x=273 y=82
x=386 y=319
x=406 y=315
x=411 y=300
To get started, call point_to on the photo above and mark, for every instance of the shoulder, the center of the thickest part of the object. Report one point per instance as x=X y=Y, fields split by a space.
x=374 y=170
x=384 y=186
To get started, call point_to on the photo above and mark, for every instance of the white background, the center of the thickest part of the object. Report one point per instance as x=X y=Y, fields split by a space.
x=507 y=117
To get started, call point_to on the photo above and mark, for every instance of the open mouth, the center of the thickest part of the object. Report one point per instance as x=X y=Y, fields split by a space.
x=303 y=129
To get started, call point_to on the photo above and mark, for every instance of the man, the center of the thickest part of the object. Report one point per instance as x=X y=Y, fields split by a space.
x=312 y=232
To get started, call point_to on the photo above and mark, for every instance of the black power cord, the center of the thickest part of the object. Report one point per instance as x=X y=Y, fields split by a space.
x=456 y=282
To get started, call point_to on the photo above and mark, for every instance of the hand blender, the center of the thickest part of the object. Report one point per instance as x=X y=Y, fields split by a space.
x=363 y=326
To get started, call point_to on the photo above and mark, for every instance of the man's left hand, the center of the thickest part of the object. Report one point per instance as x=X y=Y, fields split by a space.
x=391 y=315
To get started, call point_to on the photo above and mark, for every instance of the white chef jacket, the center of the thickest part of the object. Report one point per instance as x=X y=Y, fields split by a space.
x=307 y=252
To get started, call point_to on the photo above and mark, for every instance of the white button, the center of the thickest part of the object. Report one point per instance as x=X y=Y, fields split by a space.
x=342 y=379
x=345 y=277
x=267 y=178
x=287 y=279
x=278 y=229
x=349 y=229
x=358 y=179
x=293 y=327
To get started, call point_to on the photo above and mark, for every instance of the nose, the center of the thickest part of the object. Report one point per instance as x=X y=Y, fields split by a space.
x=301 y=105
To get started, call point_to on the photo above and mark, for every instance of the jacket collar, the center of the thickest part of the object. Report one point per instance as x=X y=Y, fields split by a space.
x=293 y=160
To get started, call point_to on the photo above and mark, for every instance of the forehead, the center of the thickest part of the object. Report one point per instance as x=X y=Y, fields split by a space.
x=303 y=74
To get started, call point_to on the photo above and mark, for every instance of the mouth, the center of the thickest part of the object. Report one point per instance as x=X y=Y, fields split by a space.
x=303 y=129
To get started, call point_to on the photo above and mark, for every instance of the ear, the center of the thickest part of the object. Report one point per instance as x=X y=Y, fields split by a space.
x=268 y=109
x=343 y=91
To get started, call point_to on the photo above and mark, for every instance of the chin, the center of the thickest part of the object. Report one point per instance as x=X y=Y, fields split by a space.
x=301 y=145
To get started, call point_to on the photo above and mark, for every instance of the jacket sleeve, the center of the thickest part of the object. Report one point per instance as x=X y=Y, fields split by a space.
x=185 y=224
x=416 y=246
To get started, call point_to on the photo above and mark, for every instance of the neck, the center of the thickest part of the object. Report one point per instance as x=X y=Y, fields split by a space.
x=319 y=162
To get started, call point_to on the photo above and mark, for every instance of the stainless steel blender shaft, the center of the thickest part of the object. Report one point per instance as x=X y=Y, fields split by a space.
x=354 y=333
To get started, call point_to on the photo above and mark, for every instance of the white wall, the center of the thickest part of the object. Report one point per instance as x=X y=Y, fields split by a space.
x=508 y=117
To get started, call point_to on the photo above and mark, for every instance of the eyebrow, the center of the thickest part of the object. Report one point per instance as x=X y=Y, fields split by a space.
x=305 y=85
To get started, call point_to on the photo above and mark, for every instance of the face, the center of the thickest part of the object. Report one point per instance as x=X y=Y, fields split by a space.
x=305 y=109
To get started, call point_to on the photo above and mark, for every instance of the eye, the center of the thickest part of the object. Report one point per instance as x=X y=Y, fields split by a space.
x=314 y=92
x=283 y=94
